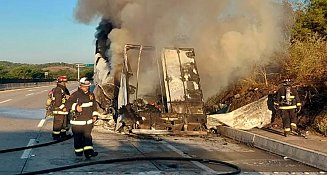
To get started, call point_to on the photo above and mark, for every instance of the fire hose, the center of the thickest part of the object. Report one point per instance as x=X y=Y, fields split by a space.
x=237 y=170
x=34 y=146
x=38 y=145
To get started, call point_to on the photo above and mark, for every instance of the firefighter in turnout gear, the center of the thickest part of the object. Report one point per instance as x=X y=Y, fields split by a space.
x=60 y=96
x=83 y=105
x=288 y=102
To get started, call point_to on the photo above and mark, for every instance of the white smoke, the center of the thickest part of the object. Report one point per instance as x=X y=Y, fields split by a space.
x=228 y=35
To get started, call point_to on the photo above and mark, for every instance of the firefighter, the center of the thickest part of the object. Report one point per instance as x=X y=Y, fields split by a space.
x=60 y=96
x=83 y=105
x=288 y=102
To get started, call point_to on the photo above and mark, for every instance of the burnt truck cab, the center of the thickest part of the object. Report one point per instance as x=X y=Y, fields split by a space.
x=159 y=91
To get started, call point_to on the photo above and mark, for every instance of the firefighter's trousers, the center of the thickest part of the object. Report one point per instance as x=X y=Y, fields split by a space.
x=60 y=126
x=83 y=139
x=289 y=118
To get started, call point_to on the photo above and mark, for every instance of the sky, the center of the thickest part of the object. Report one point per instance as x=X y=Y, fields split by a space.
x=44 y=31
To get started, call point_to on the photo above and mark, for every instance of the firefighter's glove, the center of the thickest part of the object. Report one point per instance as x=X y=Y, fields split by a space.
x=79 y=108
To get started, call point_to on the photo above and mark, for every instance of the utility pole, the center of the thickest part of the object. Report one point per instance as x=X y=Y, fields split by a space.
x=78 y=66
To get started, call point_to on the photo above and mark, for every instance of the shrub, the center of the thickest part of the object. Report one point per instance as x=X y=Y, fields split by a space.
x=307 y=58
x=322 y=125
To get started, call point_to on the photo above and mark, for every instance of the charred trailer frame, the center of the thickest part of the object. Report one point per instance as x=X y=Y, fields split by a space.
x=177 y=104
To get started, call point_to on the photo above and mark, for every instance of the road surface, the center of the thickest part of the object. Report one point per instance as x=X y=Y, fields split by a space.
x=21 y=124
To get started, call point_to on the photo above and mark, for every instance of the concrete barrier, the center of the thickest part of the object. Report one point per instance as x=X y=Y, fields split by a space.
x=9 y=86
x=300 y=154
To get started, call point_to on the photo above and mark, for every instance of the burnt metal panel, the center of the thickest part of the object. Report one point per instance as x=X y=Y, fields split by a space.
x=180 y=90
x=182 y=81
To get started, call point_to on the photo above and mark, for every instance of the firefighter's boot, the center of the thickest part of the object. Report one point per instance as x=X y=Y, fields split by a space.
x=287 y=132
x=90 y=153
x=55 y=136
x=64 y=135
x=294 y=129
x=79 y=154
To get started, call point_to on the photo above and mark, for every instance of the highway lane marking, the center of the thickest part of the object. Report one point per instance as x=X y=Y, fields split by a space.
x=27 y=152
x=41 y=123
x=29 y=94
x=200 y=165
x=5 y=101
x=46 y=90
x=41 y=92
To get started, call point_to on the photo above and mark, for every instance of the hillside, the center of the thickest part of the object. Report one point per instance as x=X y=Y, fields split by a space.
x=9 y=70
x=58 y=68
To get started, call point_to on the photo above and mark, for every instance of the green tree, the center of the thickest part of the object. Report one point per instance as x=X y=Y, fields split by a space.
x=20 y=72
x=87 y=72
x=3 y=71
x=310 y=17
x=67 y=72
x=25 y=72
x=37 y=73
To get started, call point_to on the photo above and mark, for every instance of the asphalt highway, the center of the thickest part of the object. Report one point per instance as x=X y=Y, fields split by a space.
x=22 y=123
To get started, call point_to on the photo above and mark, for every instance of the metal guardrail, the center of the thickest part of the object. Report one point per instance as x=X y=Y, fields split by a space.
x=9 y=86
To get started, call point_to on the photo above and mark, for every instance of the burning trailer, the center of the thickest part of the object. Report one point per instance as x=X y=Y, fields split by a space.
x=154 y=92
